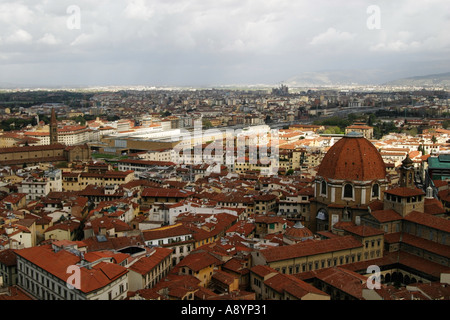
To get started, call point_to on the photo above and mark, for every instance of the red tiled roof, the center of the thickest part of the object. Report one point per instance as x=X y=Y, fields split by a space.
x=309 y=248
x=434 y=222
x=386 y=215
x=57 y=263
x=292 y=285
x=223 y=277
x=14 y=198
x=147 y=294
x=177 y=285
x=269 y=219
x=345 y=280
x=236 y=265
x=353 y=158
x=405 y=192
x=8 y=258
x=16 y=293
x=242 y=227
x=146 y=264
x=166 y=193
x=364 y=231
x=107 y=223
x=166 y=232
x=197 y=261
x=440 y=183
x=69 y=225
x=56 y=146
x=98 y=255
x=434 y=291
x=262 y=270
x=409 y=260
x=93 y=244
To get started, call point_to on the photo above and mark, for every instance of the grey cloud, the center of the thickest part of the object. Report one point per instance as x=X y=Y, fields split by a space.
x=221 y=41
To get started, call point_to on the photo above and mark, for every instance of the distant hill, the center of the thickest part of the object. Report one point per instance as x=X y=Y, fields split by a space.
x=432 y=80
x=334 y=78
x=308 y=79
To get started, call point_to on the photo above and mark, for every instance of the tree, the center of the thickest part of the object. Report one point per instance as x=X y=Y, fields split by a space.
x=80 y=120
x=372 y=119
x=433 y=139
x=206 y=124
x=446 y=124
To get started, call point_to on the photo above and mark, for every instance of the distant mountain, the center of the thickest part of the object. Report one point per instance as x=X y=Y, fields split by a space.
x=432 y=80
x=334 y=78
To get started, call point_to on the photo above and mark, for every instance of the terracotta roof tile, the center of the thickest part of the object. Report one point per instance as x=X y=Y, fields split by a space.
x=308 y=248
x=8 y=258
x=405 y=192
x=353 y=158
x=386 y=215
x=166 y=193
x=197 y=261
x=57 y=263
x=146 y=264
x=434 y=222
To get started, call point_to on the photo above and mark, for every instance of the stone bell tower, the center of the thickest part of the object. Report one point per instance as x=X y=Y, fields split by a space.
x=53 y=128
x=407 y=173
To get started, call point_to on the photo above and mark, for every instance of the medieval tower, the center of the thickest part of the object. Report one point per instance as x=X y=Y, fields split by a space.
x=53 y=128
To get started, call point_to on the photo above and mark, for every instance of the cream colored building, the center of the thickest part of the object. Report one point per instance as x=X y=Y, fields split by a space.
x=148 y=270
x=71 y=278
x=310 y=256
x=19 y=237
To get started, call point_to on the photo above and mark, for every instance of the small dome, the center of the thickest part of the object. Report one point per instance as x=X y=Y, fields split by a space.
x=298 y=232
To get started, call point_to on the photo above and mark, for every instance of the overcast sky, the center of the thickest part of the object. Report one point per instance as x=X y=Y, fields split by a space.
x=214 y=42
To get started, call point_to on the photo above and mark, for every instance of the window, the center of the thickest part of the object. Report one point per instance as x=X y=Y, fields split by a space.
x=348 y=191
x=323 y=188
x=375 y=191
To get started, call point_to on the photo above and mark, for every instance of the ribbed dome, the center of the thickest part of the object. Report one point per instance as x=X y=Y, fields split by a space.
x=298 y=232
x=353 y=158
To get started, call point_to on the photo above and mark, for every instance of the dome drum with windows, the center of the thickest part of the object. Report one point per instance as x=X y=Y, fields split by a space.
x=352 y=173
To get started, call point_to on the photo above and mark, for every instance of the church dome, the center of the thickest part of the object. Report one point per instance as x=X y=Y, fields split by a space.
x=298 y=232
x=353 y=158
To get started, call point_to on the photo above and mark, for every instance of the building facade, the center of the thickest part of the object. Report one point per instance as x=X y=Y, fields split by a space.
x=43 y=272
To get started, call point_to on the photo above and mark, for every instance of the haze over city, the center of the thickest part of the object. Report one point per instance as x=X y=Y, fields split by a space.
x=200 y=43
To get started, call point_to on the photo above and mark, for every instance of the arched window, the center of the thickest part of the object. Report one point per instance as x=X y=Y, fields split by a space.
x=375 y=191
x=322 y=215
x=323 y=188
x=348 y=191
